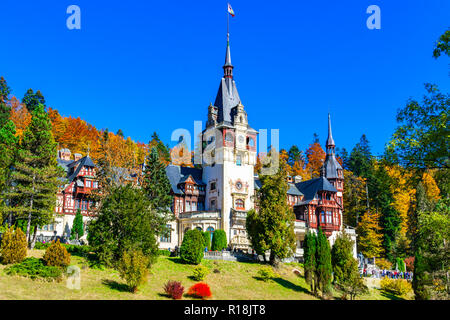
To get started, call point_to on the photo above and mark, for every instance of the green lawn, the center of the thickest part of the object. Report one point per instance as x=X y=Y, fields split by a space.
x=234 y=281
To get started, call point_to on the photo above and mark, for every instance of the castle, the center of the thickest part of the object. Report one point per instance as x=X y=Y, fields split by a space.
x=219 y=194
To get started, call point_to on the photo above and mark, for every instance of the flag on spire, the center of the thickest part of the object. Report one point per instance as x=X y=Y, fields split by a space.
x=230 y=10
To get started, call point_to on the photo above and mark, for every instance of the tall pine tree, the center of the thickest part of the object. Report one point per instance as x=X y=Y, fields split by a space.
x=156 y=187
x=77 y=227
x=310 y=263
x=36 y=176
x=274 y=219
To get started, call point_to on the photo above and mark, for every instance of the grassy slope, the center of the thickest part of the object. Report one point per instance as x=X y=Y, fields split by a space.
x=235 y=281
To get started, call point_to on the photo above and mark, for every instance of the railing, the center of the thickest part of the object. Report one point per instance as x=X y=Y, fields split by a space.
x=299 y=224
x=199 y=214
x=238 y=214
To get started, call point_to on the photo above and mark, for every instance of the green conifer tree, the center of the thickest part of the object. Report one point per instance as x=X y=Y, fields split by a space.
x=275 y=218
x=77 y=227
x=219 y=240
x=324 y=268
x=156 y=187
x=36 y=175
x=310 y=263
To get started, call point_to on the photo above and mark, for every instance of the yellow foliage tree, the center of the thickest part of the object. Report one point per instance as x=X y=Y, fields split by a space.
x=370 y=238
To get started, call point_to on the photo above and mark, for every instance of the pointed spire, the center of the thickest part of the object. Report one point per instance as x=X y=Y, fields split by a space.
x=330 y=140
x=228 y=67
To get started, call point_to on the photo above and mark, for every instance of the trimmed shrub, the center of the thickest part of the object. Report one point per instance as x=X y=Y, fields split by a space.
x=398 y=287
x=162 y=252
x=133 y=268
x=35 y=268
x=401 y=265
x=57 y=255
x=191 y=250
x=200 y=290
x=207 y=240
x=174 y=289
x=219 y=240
x=200 y=272
x=14 y=246
x=266 y=273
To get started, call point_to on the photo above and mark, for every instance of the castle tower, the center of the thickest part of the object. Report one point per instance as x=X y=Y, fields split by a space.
x=332 y=170
x=229 y=157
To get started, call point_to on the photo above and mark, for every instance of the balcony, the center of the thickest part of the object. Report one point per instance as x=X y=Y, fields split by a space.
x=299 y=226
x=200 y=215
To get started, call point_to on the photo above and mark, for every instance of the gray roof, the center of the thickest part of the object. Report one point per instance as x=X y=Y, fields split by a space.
x=330 y=167
x=330 y=140
x=83 y=162
x=227 y=98
x=293 y=190
x=310 y=188
x=177 y=175
x=64 y=164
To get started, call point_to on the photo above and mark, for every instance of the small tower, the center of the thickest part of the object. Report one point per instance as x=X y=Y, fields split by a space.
x=331 y=169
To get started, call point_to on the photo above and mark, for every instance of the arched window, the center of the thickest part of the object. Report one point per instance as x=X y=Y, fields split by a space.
x=199 y=228
x=250 y=142
x=239 y=204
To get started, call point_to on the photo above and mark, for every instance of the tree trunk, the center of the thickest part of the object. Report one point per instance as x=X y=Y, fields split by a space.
x=33 y=242
x=29 y=215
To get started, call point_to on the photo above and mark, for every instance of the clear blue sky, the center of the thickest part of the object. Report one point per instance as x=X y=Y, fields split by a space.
x=145 y=66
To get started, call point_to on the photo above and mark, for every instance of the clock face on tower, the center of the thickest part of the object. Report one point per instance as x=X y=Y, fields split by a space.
x=241 y=139
x=238 y=185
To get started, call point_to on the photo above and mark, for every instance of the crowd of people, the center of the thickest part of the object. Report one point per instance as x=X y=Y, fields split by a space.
x=392 y=274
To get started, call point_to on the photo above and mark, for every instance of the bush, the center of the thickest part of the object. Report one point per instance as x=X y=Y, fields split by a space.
x=383 y=264
x=200 y=290
x=57 y=255
x=266 y=273
x=41 y=246
x=162 y=252
x=200 y=272
x=133 y=268
x=207 y=240
x=174 y=289
x=409 y=262
x=401 y=265
x=35 y=268
x=219 y=240
x=14 y=246
x=191 y=250
x=398 y=287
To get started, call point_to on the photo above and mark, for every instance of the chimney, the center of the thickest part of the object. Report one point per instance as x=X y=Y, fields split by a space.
x=297 y=179
x=64 y=154
x=77 y=156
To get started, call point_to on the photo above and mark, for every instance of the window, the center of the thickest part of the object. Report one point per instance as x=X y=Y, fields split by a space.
x=199 y=229
x=88 y=183
x=239 y=204
x=194 y=206
x=229 y=137
x=211 y=231
x=213 y=186
x=188 y=206
x=329 y=217
x=77 y=204
x=213 y=204
x=201 y=206
x=95 y=184
x=168 y=236
x=328 y=196
x=250 y=142
x=238 y=160
x=84 y=205
x=322 y=217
